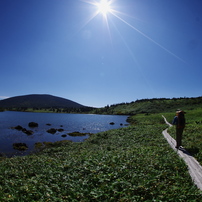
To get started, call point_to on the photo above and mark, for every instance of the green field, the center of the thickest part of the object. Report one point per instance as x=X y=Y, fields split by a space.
x=129 y=164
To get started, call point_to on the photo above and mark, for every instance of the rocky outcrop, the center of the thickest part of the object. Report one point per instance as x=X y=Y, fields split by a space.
x=52 y=130
x=28 y=132
x=20 y=146
x=33 y=124
x=18 y=127
x=24 y=130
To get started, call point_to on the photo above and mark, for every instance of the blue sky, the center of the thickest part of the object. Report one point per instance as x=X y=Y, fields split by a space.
x=140 y=49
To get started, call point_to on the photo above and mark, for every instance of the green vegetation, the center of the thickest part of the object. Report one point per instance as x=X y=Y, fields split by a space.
x=148 y=106
x=128 y=164
x=52 y=110
x=78 y=134
x=155 y=105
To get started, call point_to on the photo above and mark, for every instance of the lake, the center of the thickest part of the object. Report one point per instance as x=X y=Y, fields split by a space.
x=83 y=123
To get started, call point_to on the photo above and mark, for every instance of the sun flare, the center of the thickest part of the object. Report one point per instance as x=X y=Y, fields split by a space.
x=104 y=7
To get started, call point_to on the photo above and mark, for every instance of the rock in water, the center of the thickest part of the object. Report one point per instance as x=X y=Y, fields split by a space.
x=33 y=124
x=20 y=146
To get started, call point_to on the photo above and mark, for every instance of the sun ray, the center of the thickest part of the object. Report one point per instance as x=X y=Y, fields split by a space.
x=88 y=20
x=104 y=7
x=135 y=61
x=137 y=30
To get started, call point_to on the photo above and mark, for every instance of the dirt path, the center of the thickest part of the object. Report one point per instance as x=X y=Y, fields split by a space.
x=195 y=169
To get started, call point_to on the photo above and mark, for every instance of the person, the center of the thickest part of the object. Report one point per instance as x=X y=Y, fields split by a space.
x=179 y=121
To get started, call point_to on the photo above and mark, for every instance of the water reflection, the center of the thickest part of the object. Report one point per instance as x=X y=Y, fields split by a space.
x=64 y=124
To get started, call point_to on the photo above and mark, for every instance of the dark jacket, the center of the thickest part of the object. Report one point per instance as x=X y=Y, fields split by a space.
x=179 y=124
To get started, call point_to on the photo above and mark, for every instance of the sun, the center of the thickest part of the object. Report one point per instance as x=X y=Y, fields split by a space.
x=104 y=7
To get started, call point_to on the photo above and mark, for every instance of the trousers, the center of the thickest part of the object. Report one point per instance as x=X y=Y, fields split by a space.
x=179 y=132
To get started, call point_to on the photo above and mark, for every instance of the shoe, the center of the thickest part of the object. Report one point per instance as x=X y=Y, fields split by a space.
x=177 y=147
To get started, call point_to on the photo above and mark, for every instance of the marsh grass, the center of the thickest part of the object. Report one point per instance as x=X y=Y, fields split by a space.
x=127 y=164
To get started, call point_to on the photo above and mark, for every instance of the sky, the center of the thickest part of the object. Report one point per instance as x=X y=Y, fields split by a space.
x=133 y=49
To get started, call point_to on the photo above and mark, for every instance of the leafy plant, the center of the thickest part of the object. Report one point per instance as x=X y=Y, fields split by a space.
x=127 y=164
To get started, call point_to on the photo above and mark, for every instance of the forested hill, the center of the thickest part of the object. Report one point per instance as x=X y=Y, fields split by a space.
x=57 y=104
x=38 y=101
x=155 y=105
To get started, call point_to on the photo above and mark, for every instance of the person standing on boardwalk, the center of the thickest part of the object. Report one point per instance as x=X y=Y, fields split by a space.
x=179 y=121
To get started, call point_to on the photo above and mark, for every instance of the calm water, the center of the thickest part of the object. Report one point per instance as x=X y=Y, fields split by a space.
x=84 y=123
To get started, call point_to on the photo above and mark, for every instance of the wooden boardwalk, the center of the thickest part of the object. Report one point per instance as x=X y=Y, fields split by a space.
x=195 y=169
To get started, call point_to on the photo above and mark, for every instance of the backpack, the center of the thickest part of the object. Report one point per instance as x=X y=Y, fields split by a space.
x=181 y=120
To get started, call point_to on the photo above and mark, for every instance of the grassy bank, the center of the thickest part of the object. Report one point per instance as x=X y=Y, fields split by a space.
x=128 y=164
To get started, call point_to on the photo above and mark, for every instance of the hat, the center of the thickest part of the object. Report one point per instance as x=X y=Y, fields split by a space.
x=180 y=111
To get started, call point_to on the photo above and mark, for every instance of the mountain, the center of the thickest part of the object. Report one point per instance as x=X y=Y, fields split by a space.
x=38 y=101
